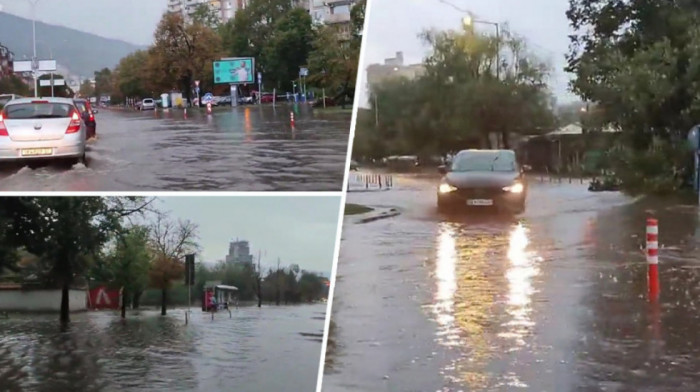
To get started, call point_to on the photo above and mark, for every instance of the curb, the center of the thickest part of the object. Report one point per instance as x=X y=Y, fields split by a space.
x=384 y=215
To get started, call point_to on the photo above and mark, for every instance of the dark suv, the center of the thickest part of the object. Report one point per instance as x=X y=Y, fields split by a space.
x=88 y=116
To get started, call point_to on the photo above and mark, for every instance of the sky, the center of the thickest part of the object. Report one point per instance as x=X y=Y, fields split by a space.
x=299 y=230
x=543 y=23
x=132 y=21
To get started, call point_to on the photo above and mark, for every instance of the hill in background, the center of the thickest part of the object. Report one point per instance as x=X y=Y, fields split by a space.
x=82 y=53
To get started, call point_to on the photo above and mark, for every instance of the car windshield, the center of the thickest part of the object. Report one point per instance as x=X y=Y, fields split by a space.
x=37 y=110
x=147 y=101
x=500 y=162
x=82 y=107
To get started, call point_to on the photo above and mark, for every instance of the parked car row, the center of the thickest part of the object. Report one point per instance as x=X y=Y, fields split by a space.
x=45 y=128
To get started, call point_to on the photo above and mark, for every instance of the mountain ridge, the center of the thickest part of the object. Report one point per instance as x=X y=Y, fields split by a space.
x=81 y=52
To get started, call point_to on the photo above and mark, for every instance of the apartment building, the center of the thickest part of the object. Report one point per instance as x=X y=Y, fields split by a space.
x=393 y=67
x=226 y=9
x=239 y=252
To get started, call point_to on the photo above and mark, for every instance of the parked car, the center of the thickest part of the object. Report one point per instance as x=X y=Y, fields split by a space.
x=483 y=179
x=148 y=104
x=88 y=115
x=5 y=98
x=41 y=128
x=267 y=98
x=245 y=101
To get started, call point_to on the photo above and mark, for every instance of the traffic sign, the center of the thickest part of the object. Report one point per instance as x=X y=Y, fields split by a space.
x=197 y=89
x=303 y=71
x=208 y=97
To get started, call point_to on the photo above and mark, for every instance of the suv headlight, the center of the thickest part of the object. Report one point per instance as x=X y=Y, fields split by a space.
x=515 y=188
x=446 y=188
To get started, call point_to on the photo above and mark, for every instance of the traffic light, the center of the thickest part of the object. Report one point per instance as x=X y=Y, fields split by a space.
x=189 y=270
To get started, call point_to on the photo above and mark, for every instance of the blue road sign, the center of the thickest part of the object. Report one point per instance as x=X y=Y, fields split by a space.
x=208 y=97
x=197 y=89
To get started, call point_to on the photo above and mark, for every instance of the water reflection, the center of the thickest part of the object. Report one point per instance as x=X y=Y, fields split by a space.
x=248 y=128
x=445 y=274
x=483 y=297
x=522 y=269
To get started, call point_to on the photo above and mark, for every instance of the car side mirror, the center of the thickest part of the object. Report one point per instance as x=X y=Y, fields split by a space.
x=442 y=169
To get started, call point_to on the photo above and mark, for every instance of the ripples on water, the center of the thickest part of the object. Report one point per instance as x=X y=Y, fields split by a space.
x=269 y=349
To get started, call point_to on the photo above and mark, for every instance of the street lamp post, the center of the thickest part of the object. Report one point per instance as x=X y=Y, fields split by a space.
x=35 y=65
x=469 y=21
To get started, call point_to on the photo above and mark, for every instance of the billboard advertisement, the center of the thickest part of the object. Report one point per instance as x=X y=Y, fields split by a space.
x=240 y=70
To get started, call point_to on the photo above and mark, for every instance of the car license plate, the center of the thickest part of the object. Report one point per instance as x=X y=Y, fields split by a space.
x=30 y=152
x=480 y=202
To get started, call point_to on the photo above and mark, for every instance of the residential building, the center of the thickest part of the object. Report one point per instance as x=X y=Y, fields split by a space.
x=6 y=59
x=333 y=12
x=239 y=252
x=226 y=9
x=392 y=68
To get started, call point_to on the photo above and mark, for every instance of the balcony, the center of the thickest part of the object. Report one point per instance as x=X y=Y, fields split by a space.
x=336 y=18
x=338 y=3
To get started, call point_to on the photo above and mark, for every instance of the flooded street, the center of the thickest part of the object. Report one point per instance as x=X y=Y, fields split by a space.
x=268 y=349
x=250 y=148
x=553 y=300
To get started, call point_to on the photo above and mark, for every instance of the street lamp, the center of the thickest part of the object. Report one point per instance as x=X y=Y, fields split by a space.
x=35 y=64
x=469 y=21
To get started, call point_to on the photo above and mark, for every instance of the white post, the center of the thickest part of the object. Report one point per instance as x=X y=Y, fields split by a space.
x=34 y=59
x=274 y=97
x=324 y=97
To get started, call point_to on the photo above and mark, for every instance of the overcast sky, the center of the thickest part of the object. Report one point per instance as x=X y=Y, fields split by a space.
x=394 y=28
x=299 y=230
x=129 y=20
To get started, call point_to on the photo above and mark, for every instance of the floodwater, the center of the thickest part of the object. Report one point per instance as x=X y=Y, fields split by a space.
x=249 y=148
x=268 y=349
x=553 y=300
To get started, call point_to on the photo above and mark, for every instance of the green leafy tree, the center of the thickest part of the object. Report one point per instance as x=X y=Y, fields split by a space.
x=335 y=53
x=181 y=54
x=65 y=233
x=129 y=262
x=58 y=91
x=460 y=100
x=640 y=63
x=206 y=16
x=12 y=84
x=130 y=77
x=288 y=48
x=103 y=82
x=86 y=89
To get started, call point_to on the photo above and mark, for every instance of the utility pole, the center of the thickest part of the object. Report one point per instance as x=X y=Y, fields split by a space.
x=278 y=283
x=259 y=281
x=35 y=62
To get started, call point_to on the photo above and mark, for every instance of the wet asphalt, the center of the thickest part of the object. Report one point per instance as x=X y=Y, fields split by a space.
x=552 y=300
x=248 y=148
x=268 y=349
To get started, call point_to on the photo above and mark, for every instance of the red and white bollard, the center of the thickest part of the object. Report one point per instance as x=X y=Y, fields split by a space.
x=185 y=113
x=209 y=108
x=653 y=256
x=291 y=119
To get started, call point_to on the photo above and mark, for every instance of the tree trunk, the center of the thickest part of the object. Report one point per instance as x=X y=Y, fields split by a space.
x=65 y=305
x=259 y=293
x=164 y=297
x=136 y=299
x=506 y=142
x=124 y=298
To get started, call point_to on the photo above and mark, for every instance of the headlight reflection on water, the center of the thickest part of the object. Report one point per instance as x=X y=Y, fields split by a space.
x=469 y=272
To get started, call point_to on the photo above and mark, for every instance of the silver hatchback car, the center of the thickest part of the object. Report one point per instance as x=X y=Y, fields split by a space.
x=41 y=128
